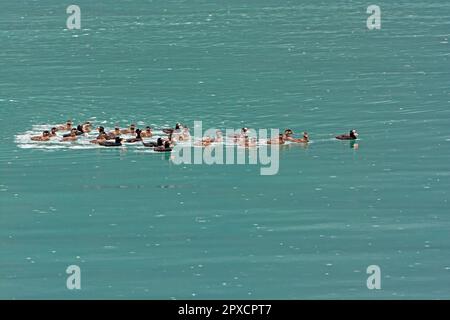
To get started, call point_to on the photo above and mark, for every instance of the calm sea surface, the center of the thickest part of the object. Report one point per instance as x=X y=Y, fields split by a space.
x=140 y=226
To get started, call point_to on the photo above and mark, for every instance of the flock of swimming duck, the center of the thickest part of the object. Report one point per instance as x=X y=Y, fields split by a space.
x=178 y=133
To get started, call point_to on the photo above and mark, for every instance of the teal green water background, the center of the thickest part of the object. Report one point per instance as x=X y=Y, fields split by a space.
x=141 y=227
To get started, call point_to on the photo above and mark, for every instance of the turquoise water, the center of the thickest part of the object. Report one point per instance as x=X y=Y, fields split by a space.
x=142 y=227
